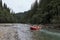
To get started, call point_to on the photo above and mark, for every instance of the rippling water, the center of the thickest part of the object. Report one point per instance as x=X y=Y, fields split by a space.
x=24 y=33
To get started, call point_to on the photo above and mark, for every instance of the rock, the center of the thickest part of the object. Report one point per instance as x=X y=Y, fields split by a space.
x=8 y=33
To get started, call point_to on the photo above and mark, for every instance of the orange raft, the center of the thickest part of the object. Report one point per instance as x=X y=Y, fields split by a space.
x=35 y=27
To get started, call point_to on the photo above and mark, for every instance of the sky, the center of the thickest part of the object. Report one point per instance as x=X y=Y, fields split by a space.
x=19 y=5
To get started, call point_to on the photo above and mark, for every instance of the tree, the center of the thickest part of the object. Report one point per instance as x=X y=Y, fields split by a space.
x=5 y=6
x=0 y=3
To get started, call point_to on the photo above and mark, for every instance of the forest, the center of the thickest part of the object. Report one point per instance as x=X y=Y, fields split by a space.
x=5 y=14
x=44 y=12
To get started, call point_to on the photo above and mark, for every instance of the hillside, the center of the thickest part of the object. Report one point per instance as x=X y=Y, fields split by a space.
x=5 y=14
x=20 y=17
x=47 y=12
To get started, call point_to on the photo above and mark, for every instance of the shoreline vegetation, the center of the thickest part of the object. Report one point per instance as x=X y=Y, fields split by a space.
x=45 y=12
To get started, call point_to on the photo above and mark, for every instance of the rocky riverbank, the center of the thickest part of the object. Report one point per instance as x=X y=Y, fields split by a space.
x=8 y=33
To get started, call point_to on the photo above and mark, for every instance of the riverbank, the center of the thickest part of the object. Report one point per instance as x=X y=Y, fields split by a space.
x=8 y=33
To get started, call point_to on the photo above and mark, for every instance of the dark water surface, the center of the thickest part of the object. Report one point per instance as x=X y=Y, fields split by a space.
x=24 y=33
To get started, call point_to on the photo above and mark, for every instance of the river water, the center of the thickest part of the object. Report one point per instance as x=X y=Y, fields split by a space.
x=24 y=33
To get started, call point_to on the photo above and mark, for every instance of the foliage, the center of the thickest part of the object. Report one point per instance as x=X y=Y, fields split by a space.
x=5 y=15
x=47 y=12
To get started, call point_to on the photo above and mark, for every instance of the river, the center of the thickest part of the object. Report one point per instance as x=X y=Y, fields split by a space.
x=24 y=33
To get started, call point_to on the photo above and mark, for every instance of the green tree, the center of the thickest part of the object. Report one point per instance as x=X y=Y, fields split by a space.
x=5 y=6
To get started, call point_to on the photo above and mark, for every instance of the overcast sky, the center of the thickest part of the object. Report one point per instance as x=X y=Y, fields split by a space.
x=19 y=5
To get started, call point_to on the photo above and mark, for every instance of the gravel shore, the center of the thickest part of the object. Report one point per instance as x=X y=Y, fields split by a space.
x=8 y=33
